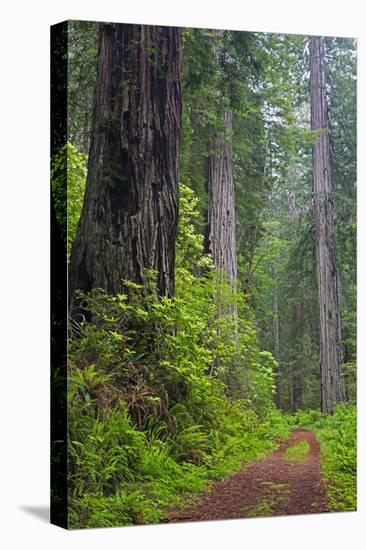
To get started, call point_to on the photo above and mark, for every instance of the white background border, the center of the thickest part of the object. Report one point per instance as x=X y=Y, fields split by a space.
x=24 y=273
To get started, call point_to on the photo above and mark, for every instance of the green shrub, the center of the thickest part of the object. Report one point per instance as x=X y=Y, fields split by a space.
x=338 y=438
x=150 y=415
x=307 y=418
x=68 y=179
x=165 y=394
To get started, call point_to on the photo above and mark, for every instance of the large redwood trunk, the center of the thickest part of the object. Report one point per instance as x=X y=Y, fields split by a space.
x=220 y=236
x=130 y=212
x=332 y=383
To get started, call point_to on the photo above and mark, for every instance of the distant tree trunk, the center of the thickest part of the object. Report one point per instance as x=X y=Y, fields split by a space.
x=220 y=233
x=332 y=383
x=298 y=369
x=130 y=213
x=248 y=279
x=290 y=388
x=276 y=333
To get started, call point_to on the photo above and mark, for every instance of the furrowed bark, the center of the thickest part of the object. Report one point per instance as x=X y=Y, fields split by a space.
x=332 y=382
x=130 y=213
x=220 y=235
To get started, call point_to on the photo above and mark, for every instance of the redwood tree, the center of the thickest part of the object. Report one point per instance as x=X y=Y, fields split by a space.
x=220 y=236
x=332 y=383
x=130 y=213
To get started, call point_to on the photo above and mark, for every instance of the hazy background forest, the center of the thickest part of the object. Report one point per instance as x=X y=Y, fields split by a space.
x=197 y=334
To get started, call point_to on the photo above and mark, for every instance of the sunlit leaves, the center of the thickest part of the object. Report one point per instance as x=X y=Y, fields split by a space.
x=68 y=179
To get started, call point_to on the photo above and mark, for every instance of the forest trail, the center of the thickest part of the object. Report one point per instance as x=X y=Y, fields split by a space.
x=286 y=482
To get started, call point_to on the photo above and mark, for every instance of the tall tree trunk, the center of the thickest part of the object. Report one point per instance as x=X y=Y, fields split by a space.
x=332 y=383
x=298 y=369
x=130 y=213
x=290 y=388
x=220 y=234
x=276 y=333
x=220 y=239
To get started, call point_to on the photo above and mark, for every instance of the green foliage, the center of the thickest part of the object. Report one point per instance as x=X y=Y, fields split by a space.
x=68 y=178
x=190 y=242
x=307 y=418
x=350 y=375
x=341 y=72
x=82 y=54
x=298 y=452
x=338 y=439
x=162 y=398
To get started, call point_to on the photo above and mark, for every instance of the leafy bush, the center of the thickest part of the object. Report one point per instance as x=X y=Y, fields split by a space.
x=338 y=438
x=165 y=394
x=307 y=418
x=68 y=179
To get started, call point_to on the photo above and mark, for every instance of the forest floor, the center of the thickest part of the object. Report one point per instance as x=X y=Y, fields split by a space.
x=286 y=482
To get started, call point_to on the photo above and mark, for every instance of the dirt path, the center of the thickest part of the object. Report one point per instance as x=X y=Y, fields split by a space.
x=277 y=485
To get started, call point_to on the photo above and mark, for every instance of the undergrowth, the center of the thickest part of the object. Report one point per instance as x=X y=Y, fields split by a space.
x=162 y=399
x=337 y=437
x=298 y=452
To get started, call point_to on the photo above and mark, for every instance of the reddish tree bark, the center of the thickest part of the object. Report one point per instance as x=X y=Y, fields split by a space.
x=220 y=235
x=332 y=382
x=130 y=213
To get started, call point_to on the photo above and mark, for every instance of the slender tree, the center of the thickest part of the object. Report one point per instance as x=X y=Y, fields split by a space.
x=220 y=236
x=130 y=212
x=298 y=367
x=276 y=332
x=332 y=383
